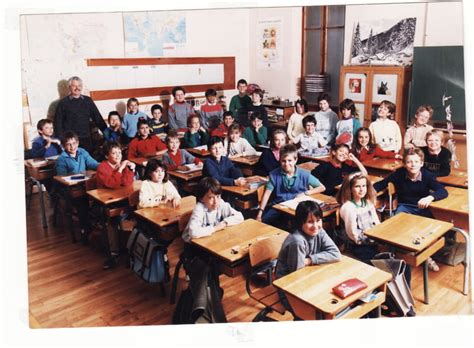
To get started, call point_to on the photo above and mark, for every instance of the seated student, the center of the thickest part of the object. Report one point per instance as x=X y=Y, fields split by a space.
x=333 y=172
x=211 y=213
x=196 y=135
x=240 y=103
x=416 y=134
x=113 y=173
x=74 y=160
x=131 y=117
x=156 y=188
x=326 y=120
x=223 y=128
x=220 y=167
x=256 y=133
x=179 y=112
x=348 y=125
x=295 y=123
x=310 y=139
x=416 y=188
x=45 y=145
x=176 y=158
x=270 y=157
x=365 y=149
x=145 y=144
x=256 y=106
x=308 y=244
x=114 y=131
x=285 y=183
x=235 y=145
x=157 y=126
x=211 y=112
x=437 y=157
x=386 y=131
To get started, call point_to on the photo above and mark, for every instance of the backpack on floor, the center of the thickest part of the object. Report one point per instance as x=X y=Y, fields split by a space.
x=148 y=257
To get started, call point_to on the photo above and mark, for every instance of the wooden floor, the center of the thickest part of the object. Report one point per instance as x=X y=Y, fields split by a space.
x=68 y=288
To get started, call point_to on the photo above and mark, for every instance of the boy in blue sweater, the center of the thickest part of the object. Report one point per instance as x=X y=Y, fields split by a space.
x=220 y=167
x=45 y=145
x=285 y=183
x=131 y=117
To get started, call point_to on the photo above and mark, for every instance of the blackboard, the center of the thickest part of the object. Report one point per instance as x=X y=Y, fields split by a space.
x=438 y=71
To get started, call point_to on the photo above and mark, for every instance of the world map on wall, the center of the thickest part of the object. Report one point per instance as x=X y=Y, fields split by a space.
x=152 y=33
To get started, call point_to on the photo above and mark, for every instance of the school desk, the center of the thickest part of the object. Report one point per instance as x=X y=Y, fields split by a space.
x=39 y=170
x=414 y=239
x=230 y=246
x=165 y=218
x=455 y=209
x=309 y=289
x=142 y=161
x=198 y=152
x=330 y=207
x=318 y=159
x=309 y=166
x=70 y=189
x=457 y=178
x=382 y=166
x=245 y=195
x=246 y=164
x=187 y=181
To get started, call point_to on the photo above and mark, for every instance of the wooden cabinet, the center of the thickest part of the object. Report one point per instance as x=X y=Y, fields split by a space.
x=367 y=86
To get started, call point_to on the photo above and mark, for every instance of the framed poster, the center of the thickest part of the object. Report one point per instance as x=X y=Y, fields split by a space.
x=354 y=87
x=384 y=87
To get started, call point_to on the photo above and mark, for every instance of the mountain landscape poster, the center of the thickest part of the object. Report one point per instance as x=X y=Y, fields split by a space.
x=383 y=42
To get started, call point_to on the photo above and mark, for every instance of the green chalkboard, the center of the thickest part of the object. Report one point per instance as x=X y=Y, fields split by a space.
x=438 y=71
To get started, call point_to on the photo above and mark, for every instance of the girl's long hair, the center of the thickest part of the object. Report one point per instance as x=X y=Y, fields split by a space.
x=345 y=193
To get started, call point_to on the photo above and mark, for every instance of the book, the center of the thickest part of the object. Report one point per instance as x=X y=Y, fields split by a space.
x=293 y=203
x=192 y=168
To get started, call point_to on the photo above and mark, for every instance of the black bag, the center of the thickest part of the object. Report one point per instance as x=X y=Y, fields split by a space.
x=452 y=254
x=148 y=257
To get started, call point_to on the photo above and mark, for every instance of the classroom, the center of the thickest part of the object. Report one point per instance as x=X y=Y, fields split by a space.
x=200 y=154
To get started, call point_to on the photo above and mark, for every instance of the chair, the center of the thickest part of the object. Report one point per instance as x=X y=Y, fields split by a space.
x=263 y=257
x=340 y=232
x=391 y=198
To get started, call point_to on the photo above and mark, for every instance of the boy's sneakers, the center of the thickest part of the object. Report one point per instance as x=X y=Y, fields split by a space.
x=432 y=266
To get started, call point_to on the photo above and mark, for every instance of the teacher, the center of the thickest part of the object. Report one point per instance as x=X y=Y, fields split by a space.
x=74 y=113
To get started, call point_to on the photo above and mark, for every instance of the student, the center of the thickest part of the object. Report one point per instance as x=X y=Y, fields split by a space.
x=220 y=167
x=308 y=244
x=270 y=157
x=240 y=103
x=310 y=139
x=416 y=188
x=256 y=133
x=113 y=173
x=326 y=120
x=211 y=112
x=179 y=112
x=333 y=172
x=196 y=135
x=235 y=145
x=45 y=145
x=365 y=149
x=385 y=131
x=285 y=183
x=144 y=144
x=295 y=123
x=223 y=128
x=437 y=157
x=416 y=134
x=156 y=188
x=131 y=117
x=75 y=160
x=176 y=158
x=156 y=123
x=114 y=131
x=348 y=125
x=357 y=198
x=211 y=213
x=256 y=106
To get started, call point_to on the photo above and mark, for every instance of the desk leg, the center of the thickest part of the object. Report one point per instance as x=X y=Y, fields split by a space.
x=466 y=260
x=378 y=312
x=425 y=282
x=41 y=197
x=105 y=234
x=68 y=201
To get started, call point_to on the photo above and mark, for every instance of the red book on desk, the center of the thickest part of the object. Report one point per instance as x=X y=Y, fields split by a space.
x=348 y=287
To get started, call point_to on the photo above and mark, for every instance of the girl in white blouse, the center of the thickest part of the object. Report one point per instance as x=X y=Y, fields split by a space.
x=237 y=146
x=156 y=188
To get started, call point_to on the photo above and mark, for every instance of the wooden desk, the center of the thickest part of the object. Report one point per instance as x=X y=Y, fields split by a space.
x=187 y=181
x=309 y=289
x=318 y=159
x=221 y=243
x=331 y=202
x=309 y=166
x=244 y=194
x=246 y=164
x=142 y=161
x=382 y=166
x=107 y=196
x=457 y=178
x=198 y=152
x=400 y=233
